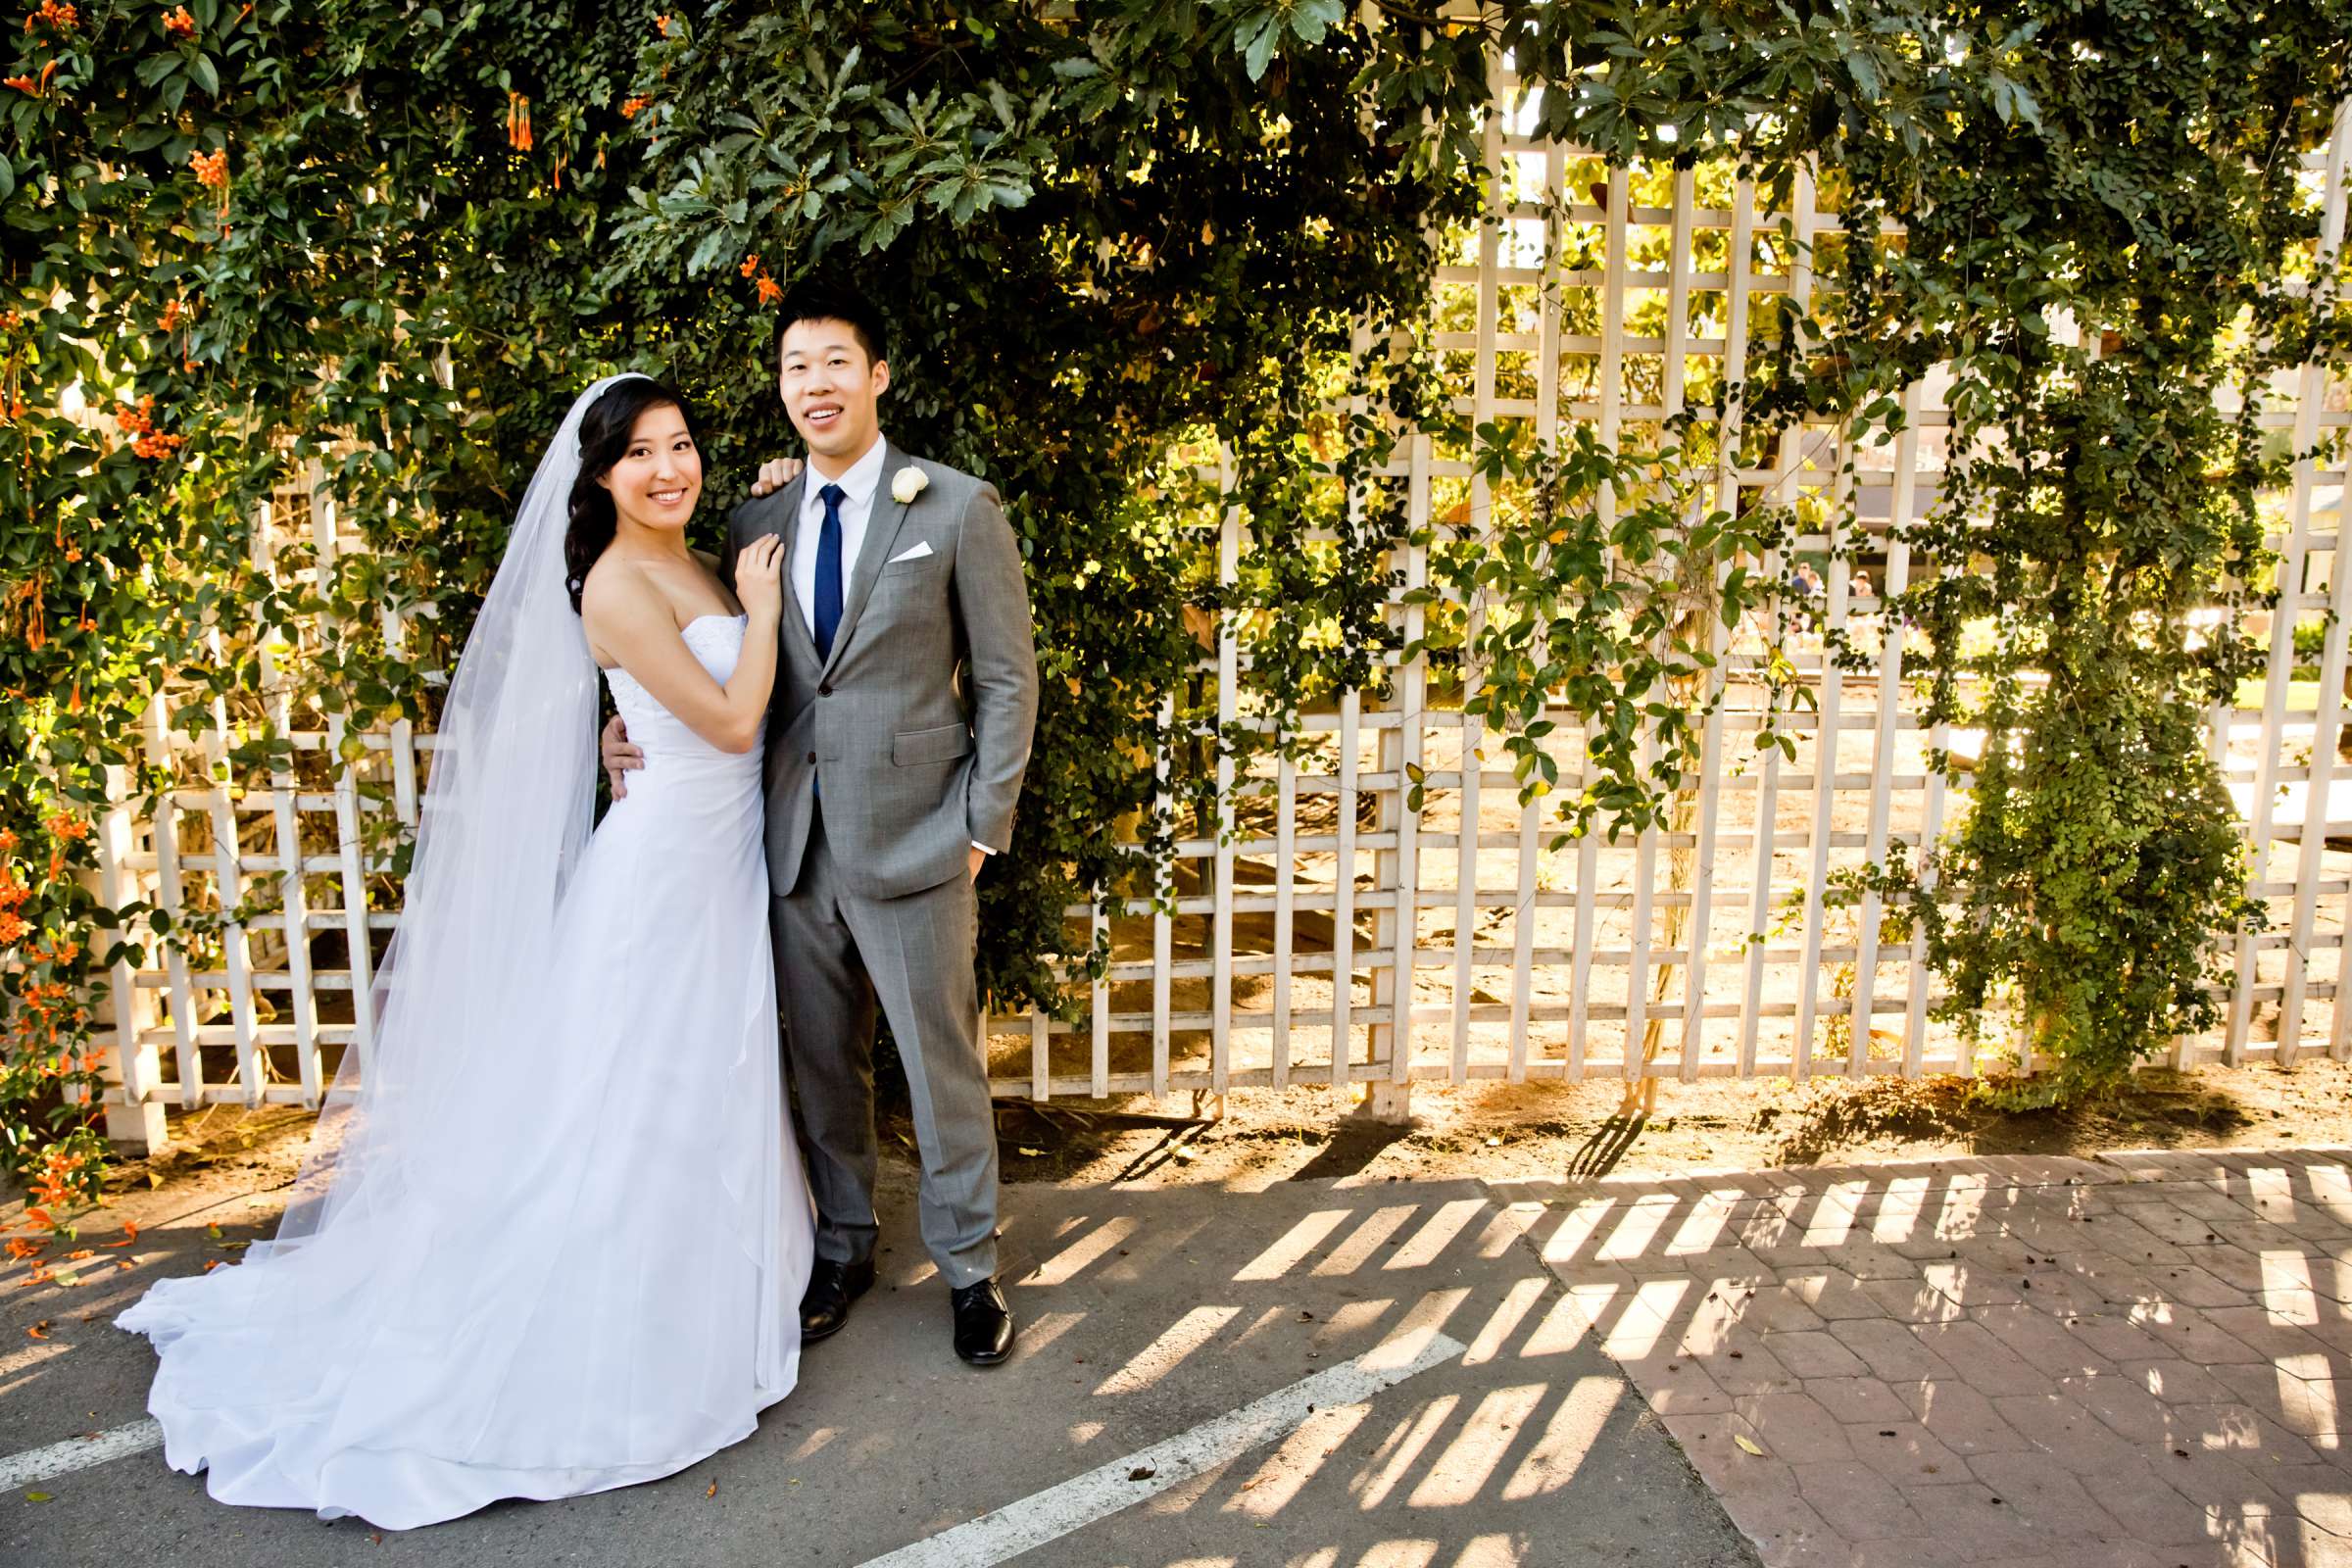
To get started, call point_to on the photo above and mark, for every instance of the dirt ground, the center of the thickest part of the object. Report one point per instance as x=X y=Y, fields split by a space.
x=1500 y=1132
x=1511 y=1132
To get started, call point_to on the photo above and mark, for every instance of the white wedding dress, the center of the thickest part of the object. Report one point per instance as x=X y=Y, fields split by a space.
x=607 y=1290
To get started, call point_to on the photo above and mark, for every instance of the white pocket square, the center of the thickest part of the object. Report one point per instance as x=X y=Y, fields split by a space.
x=918 y=553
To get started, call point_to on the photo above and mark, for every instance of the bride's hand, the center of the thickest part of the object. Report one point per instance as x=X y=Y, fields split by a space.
x=774 y=474
x=759 y=578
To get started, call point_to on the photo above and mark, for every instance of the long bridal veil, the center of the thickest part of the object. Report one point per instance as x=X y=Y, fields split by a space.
x=506 y=815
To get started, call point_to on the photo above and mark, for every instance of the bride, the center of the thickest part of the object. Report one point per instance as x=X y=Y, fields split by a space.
x=553 y=1234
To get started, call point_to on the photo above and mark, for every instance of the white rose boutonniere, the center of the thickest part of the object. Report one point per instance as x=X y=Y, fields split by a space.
x=909 y=483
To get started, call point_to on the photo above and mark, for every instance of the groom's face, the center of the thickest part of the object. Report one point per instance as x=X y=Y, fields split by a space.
x=831 y=387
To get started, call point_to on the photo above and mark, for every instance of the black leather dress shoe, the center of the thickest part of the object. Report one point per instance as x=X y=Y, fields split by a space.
x=983 y=1323
x=832 y=1287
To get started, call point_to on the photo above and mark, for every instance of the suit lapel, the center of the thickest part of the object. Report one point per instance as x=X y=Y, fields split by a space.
x=796 y=618
x=881 y=532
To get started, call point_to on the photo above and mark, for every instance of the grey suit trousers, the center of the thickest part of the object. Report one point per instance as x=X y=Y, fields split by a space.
x=837 y=954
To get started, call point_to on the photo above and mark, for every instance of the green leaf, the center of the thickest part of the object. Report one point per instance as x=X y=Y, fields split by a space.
x=1255 y=39
x=1310 y=17
x=1865 y=71
x=706 y=254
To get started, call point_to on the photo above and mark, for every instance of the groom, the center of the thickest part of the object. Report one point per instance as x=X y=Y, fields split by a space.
x=906 y=695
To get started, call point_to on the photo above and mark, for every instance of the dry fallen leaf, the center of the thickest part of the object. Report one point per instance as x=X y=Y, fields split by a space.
x=1748 y=1444
x=711 y=1491
x=40 y=1331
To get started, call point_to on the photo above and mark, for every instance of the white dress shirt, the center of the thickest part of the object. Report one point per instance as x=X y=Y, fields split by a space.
x=857 y=508
x=857 y=488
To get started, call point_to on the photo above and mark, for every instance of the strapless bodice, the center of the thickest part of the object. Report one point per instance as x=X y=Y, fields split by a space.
x=716 y=641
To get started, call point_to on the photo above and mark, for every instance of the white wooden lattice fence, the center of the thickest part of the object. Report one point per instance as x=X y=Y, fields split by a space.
x=1324 y=932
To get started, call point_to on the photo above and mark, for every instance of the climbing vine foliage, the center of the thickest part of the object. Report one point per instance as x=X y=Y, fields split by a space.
x=2109 y=241
x=361 y=253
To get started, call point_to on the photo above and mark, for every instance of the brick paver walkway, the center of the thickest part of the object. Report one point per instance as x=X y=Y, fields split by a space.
x=2138 y=1361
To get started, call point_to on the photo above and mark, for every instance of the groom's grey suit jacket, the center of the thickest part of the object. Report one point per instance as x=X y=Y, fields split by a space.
x=919 y=724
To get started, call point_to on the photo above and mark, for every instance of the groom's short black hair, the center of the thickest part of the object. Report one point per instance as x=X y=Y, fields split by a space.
x=815 y=299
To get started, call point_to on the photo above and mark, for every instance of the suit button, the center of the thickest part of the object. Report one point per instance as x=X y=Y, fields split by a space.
x=824 y=691
x=811 y=758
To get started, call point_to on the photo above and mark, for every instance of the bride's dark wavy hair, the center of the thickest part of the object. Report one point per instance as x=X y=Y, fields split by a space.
x=604 y=432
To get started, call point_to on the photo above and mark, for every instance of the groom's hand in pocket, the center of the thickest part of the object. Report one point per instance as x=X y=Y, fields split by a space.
x=979 y=859
x=774 y=474
x=620 y=758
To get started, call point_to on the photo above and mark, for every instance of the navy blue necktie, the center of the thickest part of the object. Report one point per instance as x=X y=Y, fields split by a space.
x=828 y=570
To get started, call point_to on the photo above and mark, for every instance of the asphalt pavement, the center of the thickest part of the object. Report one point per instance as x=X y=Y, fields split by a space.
x=1318 y=1375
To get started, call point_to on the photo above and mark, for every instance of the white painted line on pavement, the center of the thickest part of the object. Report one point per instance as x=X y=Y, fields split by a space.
x=78 y=1453
x=1079 y=1502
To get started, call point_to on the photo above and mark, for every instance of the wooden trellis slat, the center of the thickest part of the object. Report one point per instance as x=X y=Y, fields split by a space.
x=284 y=815
x=2311 y=390
x=1343 y=916
x=1890 y=699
